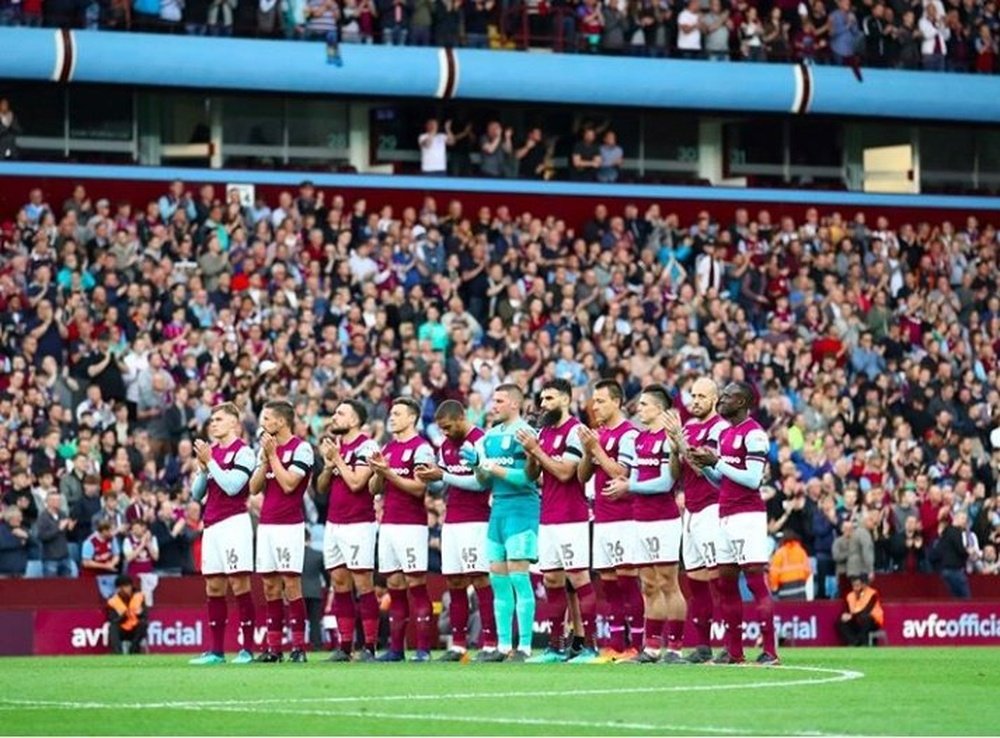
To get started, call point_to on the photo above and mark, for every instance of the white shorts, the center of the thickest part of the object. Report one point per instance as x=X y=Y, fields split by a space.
x=743 y=539
x=614 y=544
x=564 y=546
x=227 y=547
x=659 y=541
x=700 y=542
x=281 y=548
x=463 y=549
x=402 y=548
x=350 y=544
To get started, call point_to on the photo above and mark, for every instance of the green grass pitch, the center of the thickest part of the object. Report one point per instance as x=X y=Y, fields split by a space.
x=944 y=691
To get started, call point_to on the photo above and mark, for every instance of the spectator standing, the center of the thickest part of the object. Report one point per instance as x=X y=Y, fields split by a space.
x=611 y=158
x=531 y=156
x=908 y=44
x=53 y=529
x=854 y=550
x=986 y=52
x=716 y=27
x=9 y=128
x=434 y=147
x=877 y=36
x=495 y=148
x=752 y=37
x=421 y=22
x=953 y=552
x=935 y=34
x=14 y=541
x=844 y=33
x=586 y=156
x=689 y=31
x=777 y=44
x=863 y=614
x=395 y=16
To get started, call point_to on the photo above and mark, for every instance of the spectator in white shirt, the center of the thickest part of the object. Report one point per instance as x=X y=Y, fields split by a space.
x=689 y=31
x=935 y=36
x=434 y=147
x=709 y=270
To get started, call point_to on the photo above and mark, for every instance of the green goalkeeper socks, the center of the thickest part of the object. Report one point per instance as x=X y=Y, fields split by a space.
x=503 y=607
x=525 y=608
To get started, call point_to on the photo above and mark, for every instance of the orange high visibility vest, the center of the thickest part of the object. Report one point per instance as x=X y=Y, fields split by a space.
x=131 y=611
x=790 y=564
x=857 y=603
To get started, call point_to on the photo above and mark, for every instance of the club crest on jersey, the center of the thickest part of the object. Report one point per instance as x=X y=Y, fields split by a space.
x=286 y=457
x=610 y=444
x=656 y=447
x=701 y=434
x=229 y=458
x=407 y=455
x=557 y=442
x=737 y=441
x=505 y=443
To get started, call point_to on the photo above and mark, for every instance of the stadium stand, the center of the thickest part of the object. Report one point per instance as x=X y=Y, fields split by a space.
x=954 y=36
x=873 y=339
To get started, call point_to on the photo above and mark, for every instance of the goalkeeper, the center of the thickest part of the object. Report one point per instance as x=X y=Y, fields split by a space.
x=501 y=464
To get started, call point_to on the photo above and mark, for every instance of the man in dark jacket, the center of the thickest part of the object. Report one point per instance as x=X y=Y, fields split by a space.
x=952 y=552
x=13 y=544
x=51 y=529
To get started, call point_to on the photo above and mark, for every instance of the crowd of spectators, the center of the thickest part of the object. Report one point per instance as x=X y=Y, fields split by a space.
x=953 y=35
x=873 y=345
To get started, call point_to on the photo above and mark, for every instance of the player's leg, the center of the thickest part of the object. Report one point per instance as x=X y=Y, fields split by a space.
x=633 y=607
x=756 y=577
x=364 y=585
x=554 y=580
x=676 y=611
x=503 y=605
x=487 y=615
x=728 y=586
x=524 y=607
x=297 y=615
x=668 y=573
x=609 y=604
x=240 y=585
x=752 y=528
x=698 y=553
x=414 y=542
x=361 y=564
x=293 y=543
x=215 y=591
x=342 y=610
x=458 y=599
x=648 y=555
x=267 y=566
x=575 y=549
x=335 y=611
x=390 y=565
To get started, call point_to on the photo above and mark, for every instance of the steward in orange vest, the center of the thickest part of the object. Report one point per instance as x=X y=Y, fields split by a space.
x=127 y=618
x=789 y=571
x=863 y=615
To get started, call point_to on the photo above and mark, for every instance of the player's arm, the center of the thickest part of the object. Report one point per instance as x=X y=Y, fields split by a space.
x=752 y=475
x=423 y=456
x=357 y=477
x=259 y=477
x=564 y=467
x=301 y=464
x=468 y=482
x=199 y=485
x=658 y=485
x=232 y=481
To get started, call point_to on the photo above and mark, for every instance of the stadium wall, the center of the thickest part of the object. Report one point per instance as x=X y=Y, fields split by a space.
x=422 y=72
x=570 y=200
x=54 y=624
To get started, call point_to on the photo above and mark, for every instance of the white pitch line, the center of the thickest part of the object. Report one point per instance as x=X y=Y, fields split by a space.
x=835 y=675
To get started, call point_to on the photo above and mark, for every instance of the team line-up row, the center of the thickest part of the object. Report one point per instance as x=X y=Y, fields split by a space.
x=672 y=482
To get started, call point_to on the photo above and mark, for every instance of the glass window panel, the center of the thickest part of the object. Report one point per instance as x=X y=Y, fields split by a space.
x=317 y=123
x=753 y=142
x=102 y=113
x=817 y=143
x=253 y=120
x=671 y=137
x=40 y=108
x=184 y=119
